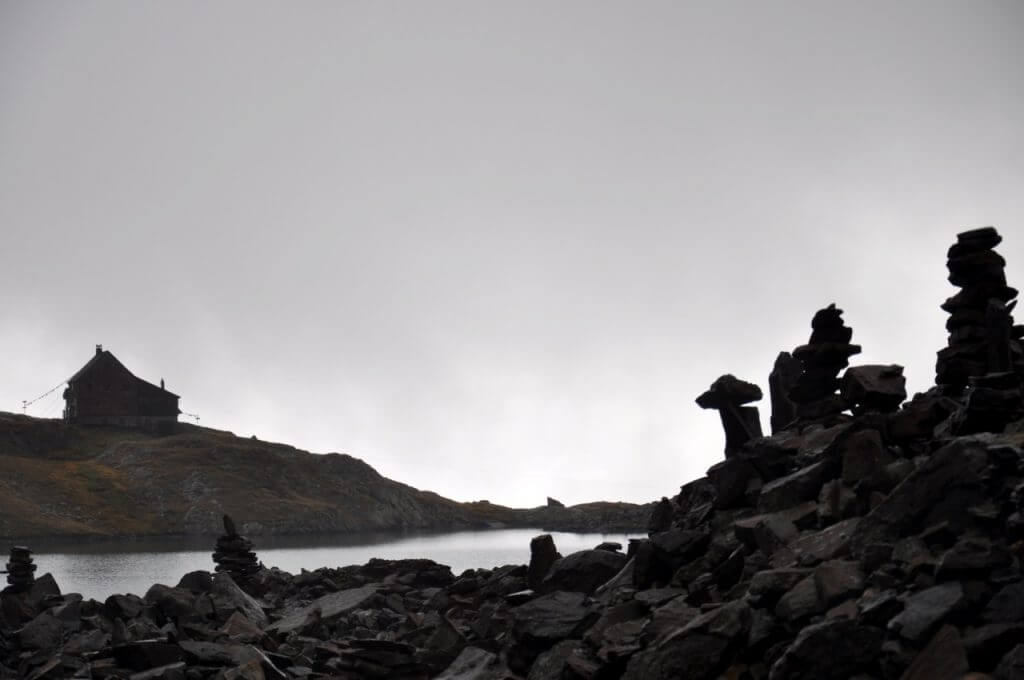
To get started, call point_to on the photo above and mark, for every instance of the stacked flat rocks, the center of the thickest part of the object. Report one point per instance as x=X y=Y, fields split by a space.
x=982 y=337
x=234 y=554
x=20 y=569
x=727 y=395
x=826 y=353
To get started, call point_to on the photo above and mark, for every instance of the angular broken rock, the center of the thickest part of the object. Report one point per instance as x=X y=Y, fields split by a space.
x=832 y=650
x=694 y=656
x=925 y=610
x=229 y=597
x=325 y=608
x=551 y=617
x=583 y=571
x=944 y=658
x=474 y=663
x=956 y=466
x=874 y=388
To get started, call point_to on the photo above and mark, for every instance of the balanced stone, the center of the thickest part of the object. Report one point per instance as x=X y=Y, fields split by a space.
x=727 y=395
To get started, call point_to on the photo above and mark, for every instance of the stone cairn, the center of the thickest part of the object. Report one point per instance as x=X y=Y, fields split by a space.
x=727 y=395
x=826 y=353
x=983 y=360
x=20 y=569
x=982 y=337
x=234 y=554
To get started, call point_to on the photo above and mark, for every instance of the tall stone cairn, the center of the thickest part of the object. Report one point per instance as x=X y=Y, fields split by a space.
x=20 y=569
x=826 y=354
x=234 y=554
x=982 y=336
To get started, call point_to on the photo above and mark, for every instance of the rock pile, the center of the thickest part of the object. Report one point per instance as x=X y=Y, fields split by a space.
x=878 y=546
x=234 y=554
x=727 y=395
x=982 y=337
x=826 y=353
x=21 y=572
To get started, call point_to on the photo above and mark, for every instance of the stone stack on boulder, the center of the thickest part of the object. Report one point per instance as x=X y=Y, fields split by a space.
x=826 y=354
x=234 y=554
x=982 y=336
x=21 y=572
x=727 y=395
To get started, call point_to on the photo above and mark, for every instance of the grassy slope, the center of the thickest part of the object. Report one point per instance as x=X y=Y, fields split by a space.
x=64 y=480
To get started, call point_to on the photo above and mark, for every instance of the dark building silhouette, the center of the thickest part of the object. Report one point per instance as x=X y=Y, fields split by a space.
x=104 y=392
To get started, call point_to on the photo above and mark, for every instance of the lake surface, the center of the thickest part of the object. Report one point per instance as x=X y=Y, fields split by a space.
x=98 y=569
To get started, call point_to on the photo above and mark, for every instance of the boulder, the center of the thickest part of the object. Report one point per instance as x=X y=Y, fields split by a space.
x=551 y=617
x=1011 y=666
x=324 y=609
x=791 y=490
x=874 y=388
x=695 y=656
x=474 y=663
x=924 y=611
x=543 y=554
x=835 y=649
x=838 y=580
x=584 y=571
x=228 y=598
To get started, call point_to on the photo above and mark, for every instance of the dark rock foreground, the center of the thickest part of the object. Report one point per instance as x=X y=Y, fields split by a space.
x=887 y=544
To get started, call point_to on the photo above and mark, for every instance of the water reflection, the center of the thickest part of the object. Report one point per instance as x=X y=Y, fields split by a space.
x=99 y=568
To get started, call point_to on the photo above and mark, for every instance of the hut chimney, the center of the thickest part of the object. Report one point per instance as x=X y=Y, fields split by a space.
x=161 y=383
x=99 y=349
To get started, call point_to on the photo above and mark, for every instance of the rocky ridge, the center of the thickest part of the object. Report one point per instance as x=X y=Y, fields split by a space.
x=884 y=543
x=66 y=480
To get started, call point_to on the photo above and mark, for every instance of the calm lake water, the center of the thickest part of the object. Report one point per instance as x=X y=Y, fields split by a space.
x=98 y=569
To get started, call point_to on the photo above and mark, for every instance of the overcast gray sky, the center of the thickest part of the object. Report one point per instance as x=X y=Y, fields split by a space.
x=495 y=249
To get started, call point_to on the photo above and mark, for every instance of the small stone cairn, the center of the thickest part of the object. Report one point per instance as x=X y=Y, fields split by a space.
x=20 y=569
x=826 y=354
x=982 y=337
x=234 y=554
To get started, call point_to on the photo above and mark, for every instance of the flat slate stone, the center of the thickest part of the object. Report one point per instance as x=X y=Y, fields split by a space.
x=331 y=606
x=926 y=609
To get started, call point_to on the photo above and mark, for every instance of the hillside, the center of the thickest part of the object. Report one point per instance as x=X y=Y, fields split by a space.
x=63 y=480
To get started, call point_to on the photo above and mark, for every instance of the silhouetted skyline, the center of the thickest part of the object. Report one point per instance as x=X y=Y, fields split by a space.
x=495 y=251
